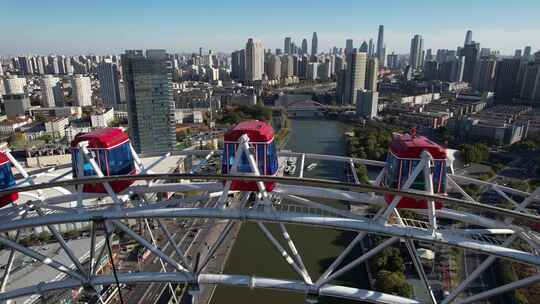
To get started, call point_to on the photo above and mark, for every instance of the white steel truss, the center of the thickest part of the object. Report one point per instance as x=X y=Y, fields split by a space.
x=494 y=238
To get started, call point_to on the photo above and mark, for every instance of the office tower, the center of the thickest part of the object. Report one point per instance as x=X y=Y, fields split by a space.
x=16 y=105
x=530 y=89
x=339 y=64
x=324 y=70
x=431 y=70
x=380 y=45
x=485 y=52
x=417 y=49
x=452 y=69
x=468 y=38
x=238 y=64
x=506 y=76
x=355 y=76
x=314 y=45
x=108 y=76
x=340 y=87
x=364 y=47
x=371 y=48
x=517 y=54
x=287 y=67
x=349 y=46
x=484 y=75
x=367 y=103
x=372 y=74
x=429 y=55
x=1 y=69
x=304 y=47
x=393 y=61
x=470 y=52
x=311 y=72
x=82 y=91
x=527 y=53
x=148 y=81
x=14 y=85
x=254 y=60
x=296 y=64
x=52 y=94
x=25 y=66
x=302 y=63
x=287 y=45
x=274 y=67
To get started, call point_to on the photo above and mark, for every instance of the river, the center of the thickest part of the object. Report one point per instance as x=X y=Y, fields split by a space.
x=254 y=255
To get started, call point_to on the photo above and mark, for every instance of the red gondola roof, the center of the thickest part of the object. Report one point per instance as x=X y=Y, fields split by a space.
x=256 y=130
x=408 y=146
x=101 y=138
x=3 y=158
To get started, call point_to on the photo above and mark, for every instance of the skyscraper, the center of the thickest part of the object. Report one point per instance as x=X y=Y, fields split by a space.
x=148 y=82
x=82 y=91
x=25 y=66
x=355 y=76
x=364 y=47
x=287 y=66
x=314 y=45
x=109 y=83
x=371 y=48
x=484 y=75
x=468 y=38
x=274 y=67
x=530 y=89
x=51 y=92
x=349 y=46
x=367 y=103
x=14 y=84
x=254 y=60
x=380 y=45
x=287 y=45
x=506 y=76
x=470 y=52
x=238 y=64
x=527 y=53
x=372 y=73
x=417 y=49
x=304 y=46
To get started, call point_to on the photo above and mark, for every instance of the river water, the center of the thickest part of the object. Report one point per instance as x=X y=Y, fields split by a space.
x=253 y=254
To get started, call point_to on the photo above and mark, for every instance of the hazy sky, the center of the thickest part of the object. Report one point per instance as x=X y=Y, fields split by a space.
x=98 y=26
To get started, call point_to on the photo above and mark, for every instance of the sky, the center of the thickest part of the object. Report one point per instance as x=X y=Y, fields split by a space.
x=108 y=27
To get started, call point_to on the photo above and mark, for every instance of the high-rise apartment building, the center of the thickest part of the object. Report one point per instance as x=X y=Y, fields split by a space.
x=274 y=67
x=355 y=76
x=417 y=50
x=14 y=84
x=470 y=52
x=150 y=103
x=484 y=75
x=506 y=79
x=238 y=64
x=107 y=73
x=82 y=91
x=254 y=60
x=52 y=94
x=367 y=103
x=287 y=66
x=530 y=89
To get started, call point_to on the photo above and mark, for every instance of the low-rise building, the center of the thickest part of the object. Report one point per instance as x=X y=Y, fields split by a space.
x=102 y=118
x=56 y=126
x=10 y=126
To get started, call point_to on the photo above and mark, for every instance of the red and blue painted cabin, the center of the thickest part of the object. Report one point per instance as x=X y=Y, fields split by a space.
x=403 y=156
x=112 y=152
x=262 y=147
x=7 y=180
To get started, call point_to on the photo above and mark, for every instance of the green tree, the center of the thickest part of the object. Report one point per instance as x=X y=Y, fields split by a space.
x=393 y=283
x=362 y=173
x=390 y=259
x=474 y=153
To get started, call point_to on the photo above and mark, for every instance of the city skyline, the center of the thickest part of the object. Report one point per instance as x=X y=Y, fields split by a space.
x=116 y=28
